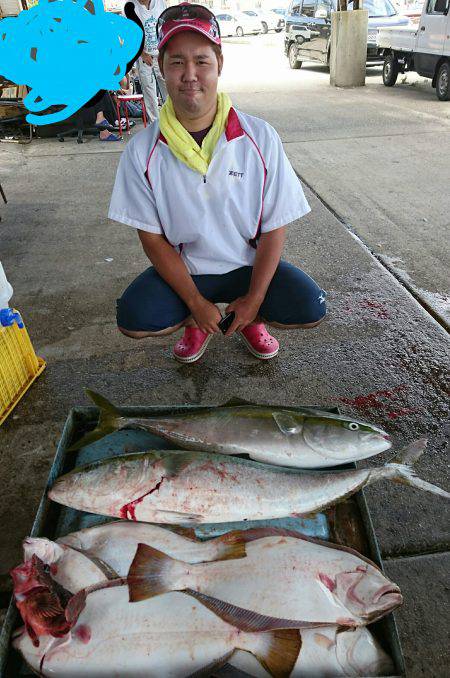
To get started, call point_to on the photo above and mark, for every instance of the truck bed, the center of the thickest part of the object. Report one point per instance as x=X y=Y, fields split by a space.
x=402 y=38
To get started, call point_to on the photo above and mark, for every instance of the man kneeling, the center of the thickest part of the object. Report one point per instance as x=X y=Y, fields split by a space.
x=210 y=191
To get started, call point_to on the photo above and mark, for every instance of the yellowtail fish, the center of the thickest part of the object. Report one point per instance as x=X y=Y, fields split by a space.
x=297 y=437
x=167 y=486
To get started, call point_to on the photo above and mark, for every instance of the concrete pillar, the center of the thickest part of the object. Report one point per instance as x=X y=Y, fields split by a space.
x=348 y=48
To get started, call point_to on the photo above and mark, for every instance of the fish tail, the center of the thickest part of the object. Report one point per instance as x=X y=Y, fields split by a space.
x=108 y=421
x=278 y=651
x=152 y=573
x=401 y=469
x=411 y=453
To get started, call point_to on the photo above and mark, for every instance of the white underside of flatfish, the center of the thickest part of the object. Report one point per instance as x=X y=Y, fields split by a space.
x=115 y=543
x=171 y=636
x=327 y=653
x=281 y=577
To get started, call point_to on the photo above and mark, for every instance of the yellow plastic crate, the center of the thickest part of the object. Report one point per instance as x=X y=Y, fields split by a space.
x=19 y=367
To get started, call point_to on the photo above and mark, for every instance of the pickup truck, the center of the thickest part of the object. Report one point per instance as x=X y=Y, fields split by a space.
x=424 y=48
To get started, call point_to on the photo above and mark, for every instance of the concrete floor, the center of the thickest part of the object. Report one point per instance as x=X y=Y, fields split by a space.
x=380 y=355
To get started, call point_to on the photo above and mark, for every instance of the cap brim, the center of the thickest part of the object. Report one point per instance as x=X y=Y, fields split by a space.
x=187 y=27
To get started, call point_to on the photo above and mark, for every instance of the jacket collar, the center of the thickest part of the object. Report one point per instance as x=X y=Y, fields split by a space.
x=233 y=129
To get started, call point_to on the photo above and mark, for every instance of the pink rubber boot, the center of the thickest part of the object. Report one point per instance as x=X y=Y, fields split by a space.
x=192 y=345
x=259 y=342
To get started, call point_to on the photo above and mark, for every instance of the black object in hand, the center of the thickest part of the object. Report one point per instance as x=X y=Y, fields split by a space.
x=226 y=321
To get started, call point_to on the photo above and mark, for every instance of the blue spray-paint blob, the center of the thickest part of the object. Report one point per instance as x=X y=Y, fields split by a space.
x=66 y=51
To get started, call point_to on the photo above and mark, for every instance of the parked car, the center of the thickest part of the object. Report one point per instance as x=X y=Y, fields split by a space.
x=424 y=49
x=237 y=23
x=308 y=29
x=269 y=20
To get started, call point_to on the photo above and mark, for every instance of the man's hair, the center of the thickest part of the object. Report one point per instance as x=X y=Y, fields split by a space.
x=216 y=48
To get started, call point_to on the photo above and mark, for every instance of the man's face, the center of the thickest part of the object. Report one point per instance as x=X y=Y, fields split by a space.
x=191 y=70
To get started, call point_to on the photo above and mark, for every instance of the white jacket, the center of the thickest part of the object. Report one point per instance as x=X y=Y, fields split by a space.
x=250 y=188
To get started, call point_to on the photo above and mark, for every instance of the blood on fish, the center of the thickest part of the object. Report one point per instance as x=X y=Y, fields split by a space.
x=329 y=583
x=83 y=633
x=128 y=511
x=53 y=569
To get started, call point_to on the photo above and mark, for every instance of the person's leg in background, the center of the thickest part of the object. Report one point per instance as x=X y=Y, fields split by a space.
x=134 y=109
x=148 y=86
x=104 y=118
x=160 y=80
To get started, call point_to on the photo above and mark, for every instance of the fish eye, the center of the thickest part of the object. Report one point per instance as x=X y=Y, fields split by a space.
x=353 y=426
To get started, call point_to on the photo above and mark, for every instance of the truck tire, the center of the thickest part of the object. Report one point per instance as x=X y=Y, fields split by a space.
x=390 y=70
x=443 y=82
x=292 y=56
x=239 y=31
x=265 y=28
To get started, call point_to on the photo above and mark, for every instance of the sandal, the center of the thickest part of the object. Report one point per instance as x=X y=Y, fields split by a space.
x=112 y=137
x=104 y=124
x=192 y=345
x=259 y=342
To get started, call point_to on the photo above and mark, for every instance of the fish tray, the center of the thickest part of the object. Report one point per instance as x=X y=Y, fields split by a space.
x=348 y=523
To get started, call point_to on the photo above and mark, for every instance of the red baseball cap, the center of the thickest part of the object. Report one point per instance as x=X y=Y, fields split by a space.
x=187 y=17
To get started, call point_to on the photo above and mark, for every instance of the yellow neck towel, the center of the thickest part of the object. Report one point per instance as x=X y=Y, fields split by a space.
x=183 y=145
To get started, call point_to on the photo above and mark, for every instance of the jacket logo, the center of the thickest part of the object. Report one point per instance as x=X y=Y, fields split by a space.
x=232 y=173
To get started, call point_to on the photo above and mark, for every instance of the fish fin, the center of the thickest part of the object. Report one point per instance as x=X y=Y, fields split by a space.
x=411 y=453
x=107 y=570
x=108 y=421
x=188 y=532
x=246 y=620
x=176 y=462
x=152 y=573
x=402 y=471
x=32 y=634
x=168 y=516
x=74 y=607
x=233 y=546
x=286 y=423
x=281 y=653
x=212 y=666
x=236 y=402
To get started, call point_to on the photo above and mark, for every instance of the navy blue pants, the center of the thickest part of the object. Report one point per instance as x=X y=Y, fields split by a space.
x=150 y=304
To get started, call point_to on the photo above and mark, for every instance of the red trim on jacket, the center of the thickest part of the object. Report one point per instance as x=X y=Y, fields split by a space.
x=233 y=128
x=147 y=174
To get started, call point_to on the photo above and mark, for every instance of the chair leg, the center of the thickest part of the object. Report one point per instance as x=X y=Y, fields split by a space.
x=118 y=116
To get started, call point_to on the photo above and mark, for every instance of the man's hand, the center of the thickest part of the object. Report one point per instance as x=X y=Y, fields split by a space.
x=147 y=58
x=246 y=309
x=206 y=315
